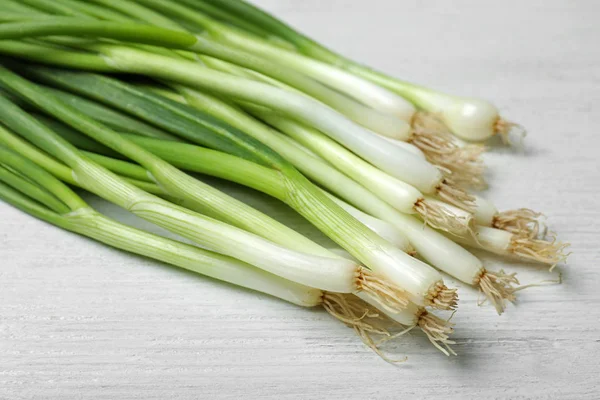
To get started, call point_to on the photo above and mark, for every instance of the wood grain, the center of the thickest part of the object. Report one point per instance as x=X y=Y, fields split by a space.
x=79 y=320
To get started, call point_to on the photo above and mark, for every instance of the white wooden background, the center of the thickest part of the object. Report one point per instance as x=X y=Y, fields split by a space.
x=79 y=320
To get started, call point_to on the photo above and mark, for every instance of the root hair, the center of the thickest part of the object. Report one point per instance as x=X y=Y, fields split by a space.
x=438 y=331
x=449 y=192
x=362 y=317
x=440 y=148
x=522 y=221
x=443 y=219
x=498 y=287
x=442 y=298
x=545 y=251
x=389 y=296
x=352 y=311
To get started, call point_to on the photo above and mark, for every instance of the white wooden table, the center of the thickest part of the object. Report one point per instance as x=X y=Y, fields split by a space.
x=79 y=320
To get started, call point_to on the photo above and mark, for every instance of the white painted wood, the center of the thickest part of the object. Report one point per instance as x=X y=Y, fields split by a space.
x=79 y=320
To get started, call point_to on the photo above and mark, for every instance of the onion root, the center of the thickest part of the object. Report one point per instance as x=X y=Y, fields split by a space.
x=498 y=287
x=439 y=218
x=392 y=298
x=442 y=298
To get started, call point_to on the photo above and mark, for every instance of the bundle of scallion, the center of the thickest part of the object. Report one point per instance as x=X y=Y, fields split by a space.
x=219 y=88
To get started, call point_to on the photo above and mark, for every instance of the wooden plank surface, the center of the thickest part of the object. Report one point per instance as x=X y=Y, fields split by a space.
x=79 y=320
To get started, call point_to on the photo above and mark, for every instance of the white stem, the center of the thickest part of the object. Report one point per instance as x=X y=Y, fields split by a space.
x=382 y=228
x=367 y=117
x=434 y=247
x=360 y=89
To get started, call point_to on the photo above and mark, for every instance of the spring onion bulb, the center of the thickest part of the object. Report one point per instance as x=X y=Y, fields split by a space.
x=86 y=221
x=393 y=160
x=471 y=119
x=527 y=247
x=468 y=118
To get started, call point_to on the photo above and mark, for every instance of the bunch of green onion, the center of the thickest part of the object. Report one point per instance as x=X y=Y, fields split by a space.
x=136 y=100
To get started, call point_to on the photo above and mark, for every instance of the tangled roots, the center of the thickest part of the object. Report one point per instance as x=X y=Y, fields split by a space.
x=389 y=296
x=498 y=288
x=442 y=218
x=440 y=148
x=522 y=221
x=438 y=331
x=352 y=311
x=449 y=192
x=362 y=317
x=544 y=251
x=442 y=298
